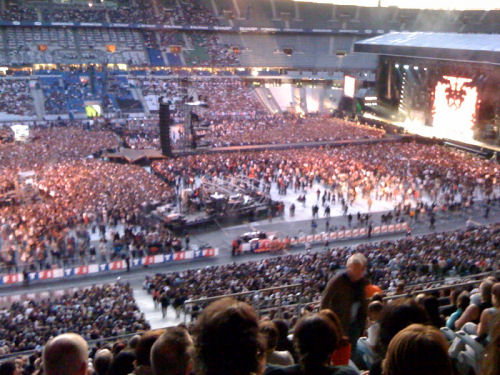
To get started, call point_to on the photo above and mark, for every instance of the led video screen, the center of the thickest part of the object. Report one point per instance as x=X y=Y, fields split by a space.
x=454 y=108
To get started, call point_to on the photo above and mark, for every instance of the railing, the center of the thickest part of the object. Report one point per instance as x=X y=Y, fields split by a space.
x=298 y=306
x=426 y=285
x=202 y=302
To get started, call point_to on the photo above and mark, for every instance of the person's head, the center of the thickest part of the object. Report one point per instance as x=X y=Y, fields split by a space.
x=485 y=290
x=227 y=339
x=491 y=361
x=315 y=339
x=463 y=300
x=66 y=354
x=172 y=353
x=134 y=340
x=118 y=347
x=122 y=364
x=396 y=316
x=282 y=327
x=9 y=368
x=102 y=361
x=431 y=306
x=419 y=298
x=143 y=348
x=495 y=295
x=356 y=266
x=270 y=335
x=332 y=317
x=417 y=350
x=375 y=310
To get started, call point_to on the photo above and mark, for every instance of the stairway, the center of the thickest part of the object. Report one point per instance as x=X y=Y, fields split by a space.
x=266 y=98
x=39 y=102
x=137 y=94
x=153 y=316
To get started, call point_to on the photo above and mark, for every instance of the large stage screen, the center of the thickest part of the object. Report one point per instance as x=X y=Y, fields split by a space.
x=454 y=107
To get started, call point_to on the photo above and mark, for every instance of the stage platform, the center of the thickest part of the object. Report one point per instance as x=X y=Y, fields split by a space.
x=133 y=156
x=431 y=132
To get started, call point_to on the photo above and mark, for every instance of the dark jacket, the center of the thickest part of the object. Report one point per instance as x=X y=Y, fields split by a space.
x=326 y=370
x=339 y=295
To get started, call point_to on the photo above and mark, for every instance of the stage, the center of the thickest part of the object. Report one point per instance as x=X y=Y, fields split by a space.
x=438 y=85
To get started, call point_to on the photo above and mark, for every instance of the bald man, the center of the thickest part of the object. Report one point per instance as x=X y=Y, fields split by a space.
x=66 y=354
x=102 y=361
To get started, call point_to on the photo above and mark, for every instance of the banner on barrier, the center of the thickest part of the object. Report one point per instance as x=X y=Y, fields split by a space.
x=113 y=266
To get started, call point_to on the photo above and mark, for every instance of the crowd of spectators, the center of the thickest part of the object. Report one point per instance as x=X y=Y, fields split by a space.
x=285 y=128
x=70 y=193
x=407 y=341
x=16 y=12
x=397 y=172
x=53 y=145
x=73 y=14
x=236 y=117
x=392 y=265
x=194 y=13
x=16 y=98
x=6 y=135
x=209 y=51
x=95 y=312
x=409 y=344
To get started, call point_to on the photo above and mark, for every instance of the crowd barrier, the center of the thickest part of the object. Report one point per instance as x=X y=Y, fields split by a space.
x=57 y=273
x=268 y=245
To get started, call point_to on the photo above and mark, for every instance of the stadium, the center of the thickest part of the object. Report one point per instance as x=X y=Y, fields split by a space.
x=236 y=187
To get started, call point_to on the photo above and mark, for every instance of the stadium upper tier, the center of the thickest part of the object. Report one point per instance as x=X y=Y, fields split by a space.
x=247 y=13
x=132 y=33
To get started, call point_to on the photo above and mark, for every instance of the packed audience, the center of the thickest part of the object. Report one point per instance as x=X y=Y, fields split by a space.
x=73 y=14
x=194 y=13
x=236 y=117
x=16 y=12
x=392 y=265
x=16 y=98
x=397 y=172
x=209 y=51
x=407 y=340
x=70 y=193
x=53 y=145
x=6 y=135
x=95 y=312
x=285 y=128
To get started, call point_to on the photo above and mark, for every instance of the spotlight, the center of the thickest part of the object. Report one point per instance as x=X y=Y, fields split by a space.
x=406 y=66
x=415 y=67
x=396 y=65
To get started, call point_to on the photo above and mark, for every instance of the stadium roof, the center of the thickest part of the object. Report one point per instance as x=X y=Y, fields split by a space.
x=482 y=48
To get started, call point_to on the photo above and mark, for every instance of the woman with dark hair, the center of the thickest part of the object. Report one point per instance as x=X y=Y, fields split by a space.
x=143 y=352
x=342 y=354
x=431 y=306
x=123 y=363
x=227 y=340
x=284 y=344
x=418 y=350
x=396 y=316
x=315 y=338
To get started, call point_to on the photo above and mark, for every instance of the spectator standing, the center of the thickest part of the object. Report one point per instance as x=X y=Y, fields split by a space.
x=345 y=295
